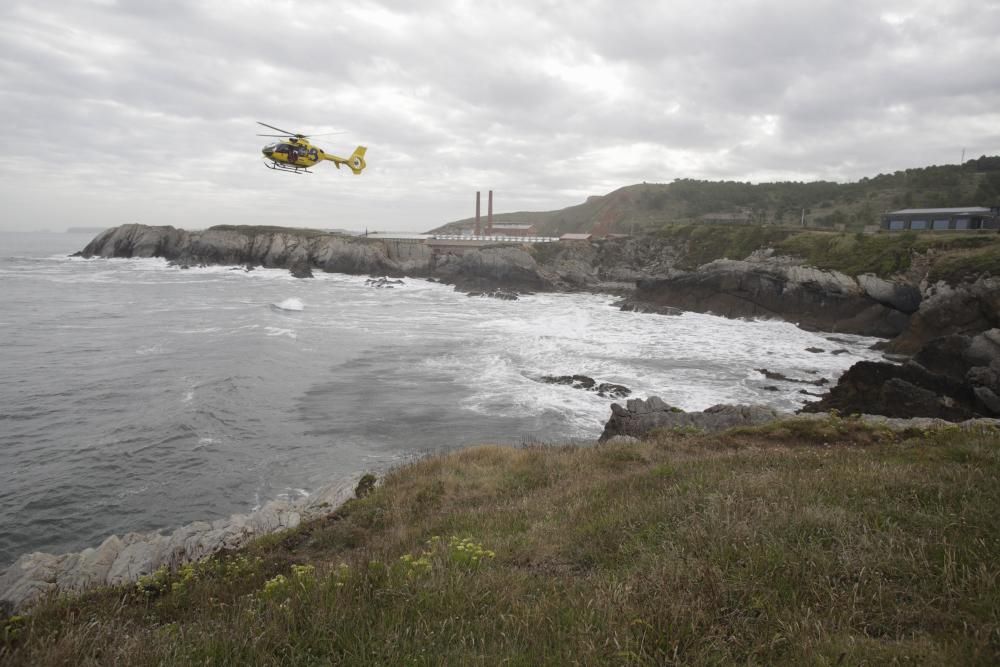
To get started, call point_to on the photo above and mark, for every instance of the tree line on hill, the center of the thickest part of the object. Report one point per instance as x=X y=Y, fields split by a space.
x=648 y=207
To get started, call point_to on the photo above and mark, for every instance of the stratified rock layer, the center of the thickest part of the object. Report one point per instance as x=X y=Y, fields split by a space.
x=777 y=288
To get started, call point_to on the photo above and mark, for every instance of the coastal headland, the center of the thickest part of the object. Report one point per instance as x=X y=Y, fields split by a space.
x=935 y=305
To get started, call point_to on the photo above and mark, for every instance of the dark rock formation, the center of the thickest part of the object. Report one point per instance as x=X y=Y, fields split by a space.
x=969 y=308
x=610 y=390
x=301 y=269
x=249 y=246
x=492 y=267
x=383 y=282
x=639 y=417
x=606 y=389
x=575 y=381
x=771 y=375
x=503 y=295
x=138 y=241
x=814 y=299
x=954 y=378
x=633 y=306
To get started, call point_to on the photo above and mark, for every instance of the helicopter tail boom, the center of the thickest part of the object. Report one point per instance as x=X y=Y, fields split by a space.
x=356 y=162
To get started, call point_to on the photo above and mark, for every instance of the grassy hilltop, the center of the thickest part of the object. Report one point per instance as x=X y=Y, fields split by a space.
x=949 y=257
x=827 y=542
x=651 y=206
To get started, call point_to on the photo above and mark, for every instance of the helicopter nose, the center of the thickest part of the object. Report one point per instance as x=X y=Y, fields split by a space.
x=268 y=151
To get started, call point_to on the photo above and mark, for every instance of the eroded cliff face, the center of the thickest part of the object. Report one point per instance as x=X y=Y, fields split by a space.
x=508 y=267
x=968 y=308
x=268 y=247
x=138 y=241
x=781 y=288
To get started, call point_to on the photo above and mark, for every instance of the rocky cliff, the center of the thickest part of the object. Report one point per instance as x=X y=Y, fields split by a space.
x=261 y=246
x=782 y=288
x=657 y=274
x=955 y=377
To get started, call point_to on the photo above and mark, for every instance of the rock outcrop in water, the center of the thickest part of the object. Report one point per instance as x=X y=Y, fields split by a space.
x=587 y=383
x=120 y=560
x=954 y=378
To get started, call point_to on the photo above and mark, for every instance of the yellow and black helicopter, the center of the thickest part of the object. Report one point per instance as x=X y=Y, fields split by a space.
x=295 y=154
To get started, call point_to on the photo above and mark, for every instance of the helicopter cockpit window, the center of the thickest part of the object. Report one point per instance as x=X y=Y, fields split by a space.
x=284 y=148
x=271 y=147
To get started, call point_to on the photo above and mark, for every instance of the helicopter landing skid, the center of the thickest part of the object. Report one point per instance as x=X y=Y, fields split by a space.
x=278 y=166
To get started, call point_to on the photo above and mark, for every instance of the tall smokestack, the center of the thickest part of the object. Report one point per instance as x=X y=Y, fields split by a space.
x=478 y=230
x=489 y=215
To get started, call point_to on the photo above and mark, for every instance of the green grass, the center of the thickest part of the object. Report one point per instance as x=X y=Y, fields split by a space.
x=270 y=229
x=820 y=543
x=701 y=243
x=887 y=254
x=960 y=266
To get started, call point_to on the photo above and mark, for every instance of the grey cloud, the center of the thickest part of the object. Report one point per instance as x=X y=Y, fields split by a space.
x=147 y=109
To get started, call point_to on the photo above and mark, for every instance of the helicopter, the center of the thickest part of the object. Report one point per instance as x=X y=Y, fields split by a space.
x=296 y=154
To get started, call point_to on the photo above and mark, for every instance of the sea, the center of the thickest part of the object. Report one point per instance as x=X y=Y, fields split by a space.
x=137 y=396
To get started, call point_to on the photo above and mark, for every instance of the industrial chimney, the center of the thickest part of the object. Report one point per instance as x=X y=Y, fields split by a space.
x=478 y=229
x=489 y=215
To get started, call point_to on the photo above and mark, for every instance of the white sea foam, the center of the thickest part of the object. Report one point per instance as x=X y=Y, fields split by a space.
x=292 y=304
x=275 y=331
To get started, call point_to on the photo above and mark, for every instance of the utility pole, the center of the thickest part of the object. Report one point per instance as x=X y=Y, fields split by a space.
x=803 y=222
x=963 y=156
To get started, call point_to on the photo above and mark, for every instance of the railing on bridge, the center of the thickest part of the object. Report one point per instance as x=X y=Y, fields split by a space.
x=498 y=239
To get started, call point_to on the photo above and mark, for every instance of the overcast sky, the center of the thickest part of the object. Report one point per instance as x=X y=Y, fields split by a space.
x=135 y=111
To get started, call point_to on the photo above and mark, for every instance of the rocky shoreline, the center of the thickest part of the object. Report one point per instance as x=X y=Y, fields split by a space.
x=124 y=559
x=910 y=310
x=949 y=336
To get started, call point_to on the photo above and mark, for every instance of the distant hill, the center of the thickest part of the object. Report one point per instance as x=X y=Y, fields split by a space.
x=85 y=230
x=825 y=204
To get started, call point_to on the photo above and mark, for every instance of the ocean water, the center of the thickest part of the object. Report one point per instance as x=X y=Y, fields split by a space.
x=136 y=396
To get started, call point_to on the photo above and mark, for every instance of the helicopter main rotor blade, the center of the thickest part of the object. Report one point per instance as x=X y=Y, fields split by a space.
x=280 y=136
x=287 y=133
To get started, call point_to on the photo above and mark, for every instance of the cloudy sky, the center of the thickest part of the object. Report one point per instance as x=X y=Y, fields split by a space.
x=135 y=111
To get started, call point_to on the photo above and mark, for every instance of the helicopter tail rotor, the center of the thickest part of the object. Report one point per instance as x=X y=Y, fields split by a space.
x=357 y=160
